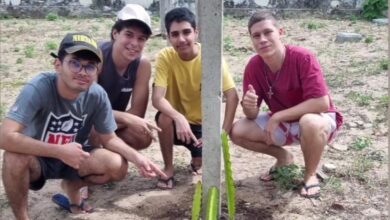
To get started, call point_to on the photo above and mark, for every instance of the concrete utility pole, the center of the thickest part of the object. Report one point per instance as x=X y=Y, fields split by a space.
x=210 y=16
x=165 y=6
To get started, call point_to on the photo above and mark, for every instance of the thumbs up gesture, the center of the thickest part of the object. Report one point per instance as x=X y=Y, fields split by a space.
x=249 y=101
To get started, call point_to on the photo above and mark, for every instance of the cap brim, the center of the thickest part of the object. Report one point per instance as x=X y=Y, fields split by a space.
x=77 y=48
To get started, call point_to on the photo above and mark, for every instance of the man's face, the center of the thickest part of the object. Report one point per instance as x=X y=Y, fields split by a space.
x=130 y=42
x=76 y=75
x=266 y=38
x=182 y=37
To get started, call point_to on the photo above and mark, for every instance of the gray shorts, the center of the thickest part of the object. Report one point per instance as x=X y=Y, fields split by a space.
x=52 y=168
x=288 y=133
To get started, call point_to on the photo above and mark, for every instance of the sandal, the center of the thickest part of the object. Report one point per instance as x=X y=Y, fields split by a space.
x=166 y=183
x=63 y=202
x=311 y=196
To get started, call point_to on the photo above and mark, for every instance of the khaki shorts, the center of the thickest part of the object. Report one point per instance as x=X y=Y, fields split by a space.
x=288 y=133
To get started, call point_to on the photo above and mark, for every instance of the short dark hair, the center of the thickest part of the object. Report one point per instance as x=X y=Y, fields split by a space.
x=262 y=16
x=82 y=54
x=179 y=15
x=121 y=24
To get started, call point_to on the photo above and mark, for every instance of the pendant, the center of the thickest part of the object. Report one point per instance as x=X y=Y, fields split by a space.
x=270 y=93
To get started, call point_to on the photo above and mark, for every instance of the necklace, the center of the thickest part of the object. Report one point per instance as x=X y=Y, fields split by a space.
x=270 y=85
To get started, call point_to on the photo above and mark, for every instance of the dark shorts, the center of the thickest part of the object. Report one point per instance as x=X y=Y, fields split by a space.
x=52 y=168
x=196 y=129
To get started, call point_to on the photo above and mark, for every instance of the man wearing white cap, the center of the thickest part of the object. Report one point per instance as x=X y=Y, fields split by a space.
x=126 y=73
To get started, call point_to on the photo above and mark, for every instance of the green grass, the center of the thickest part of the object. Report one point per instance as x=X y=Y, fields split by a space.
x=228 y=44
x=51 y=45
x=29 y=51
x=314 y=25
x=19 y=60
x=369 y=39
x=288 y=177
x=3 y=111
x=334 y=184
x=361 y=143
x=360 y=166
x=52 y=16
x=359 y=99
x=384 y=64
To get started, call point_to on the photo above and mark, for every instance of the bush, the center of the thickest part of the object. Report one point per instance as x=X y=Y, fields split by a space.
x=373 y=9
x=52 y=16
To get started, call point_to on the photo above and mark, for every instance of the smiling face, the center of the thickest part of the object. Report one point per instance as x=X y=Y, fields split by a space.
x=183 y=37
x=266 y=38
x=75 y=75
x=129 y=42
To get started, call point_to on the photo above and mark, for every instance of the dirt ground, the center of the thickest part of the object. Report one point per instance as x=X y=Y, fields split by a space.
x=356 y=75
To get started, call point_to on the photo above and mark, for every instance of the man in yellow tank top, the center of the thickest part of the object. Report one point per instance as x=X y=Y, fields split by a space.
x=177 y=93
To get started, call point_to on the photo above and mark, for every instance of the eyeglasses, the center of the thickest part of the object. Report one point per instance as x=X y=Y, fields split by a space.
x=75 y=66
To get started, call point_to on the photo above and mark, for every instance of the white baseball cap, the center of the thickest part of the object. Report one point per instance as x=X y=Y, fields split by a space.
x=135 y=12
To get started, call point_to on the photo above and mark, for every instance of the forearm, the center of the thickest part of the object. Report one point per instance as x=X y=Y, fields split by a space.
x=117 y=145
x=165 y=107
x=316 y=105
x=230 y=109
x=251 y=113
x=122 y=119
x=19 y=143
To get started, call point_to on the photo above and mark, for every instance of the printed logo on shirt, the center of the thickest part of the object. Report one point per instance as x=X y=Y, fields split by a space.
x=62 y=129
x=126 y=89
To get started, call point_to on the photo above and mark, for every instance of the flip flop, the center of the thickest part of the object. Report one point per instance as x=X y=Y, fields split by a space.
x=311 y=196
x=166 y=183
x=63 y=202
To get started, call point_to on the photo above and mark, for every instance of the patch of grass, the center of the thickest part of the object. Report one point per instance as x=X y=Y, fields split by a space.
x=314 y=25
x=228 y=43
x=29 y=51
x=16 y=49
x=288 y=177
x=334 y=184
x=52 y=16
x=361 y=143
x=95 y=28
x=51 y=45
x=369 y=39
x=19 y=60
x=360 y=166
x=384 y=64
x=265 y=109
x=384 y=101
x=237 y=78
x=361 y=100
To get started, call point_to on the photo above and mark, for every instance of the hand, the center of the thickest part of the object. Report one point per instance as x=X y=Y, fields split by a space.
x=184 y=132
x=142 y=127
x=272 y=125
x=73 y=154
x=147 y=168
x=249 y=101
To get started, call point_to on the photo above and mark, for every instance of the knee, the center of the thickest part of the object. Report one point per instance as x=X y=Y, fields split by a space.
x=144 y=142
x=311 y=125
x=236 y=133
x=14 y=160
x=118 y=169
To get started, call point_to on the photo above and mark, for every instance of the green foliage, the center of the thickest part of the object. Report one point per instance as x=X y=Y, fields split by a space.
x=29 y=51
x=361 y=142
x=52 y=16
x=51 y=45
x=228 y=43
x=369 y=40
x=19 y=61
x=197 y=202
x=288 y=177
x=212 y=204
x=231 y=191
x=373 y=9
x=334 y=183
x=384 y=101
x=361 y=100
x=384 y=64
x=314 y=26
x=360 y=166
x=2 y=111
